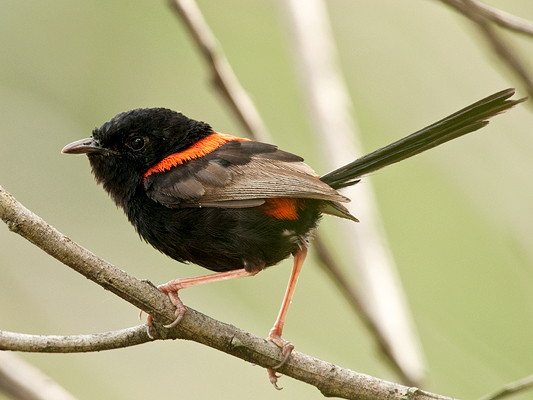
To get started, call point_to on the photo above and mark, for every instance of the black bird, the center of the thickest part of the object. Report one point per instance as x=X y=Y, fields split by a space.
x=232 y=205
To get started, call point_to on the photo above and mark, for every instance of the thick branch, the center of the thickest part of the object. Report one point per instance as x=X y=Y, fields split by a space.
x=330 y=379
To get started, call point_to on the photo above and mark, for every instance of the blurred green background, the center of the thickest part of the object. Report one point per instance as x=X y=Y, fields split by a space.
x=459 y=219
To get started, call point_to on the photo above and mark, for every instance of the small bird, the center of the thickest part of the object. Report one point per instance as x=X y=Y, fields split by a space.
x=232 y=205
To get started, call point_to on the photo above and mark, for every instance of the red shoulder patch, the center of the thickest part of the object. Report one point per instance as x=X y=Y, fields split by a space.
x=283 y=207
x=197 y=150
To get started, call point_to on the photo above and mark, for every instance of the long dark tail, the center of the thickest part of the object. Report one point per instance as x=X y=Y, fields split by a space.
x=467 y=120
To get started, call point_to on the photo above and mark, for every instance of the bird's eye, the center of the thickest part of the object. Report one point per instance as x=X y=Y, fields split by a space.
x=136 y=143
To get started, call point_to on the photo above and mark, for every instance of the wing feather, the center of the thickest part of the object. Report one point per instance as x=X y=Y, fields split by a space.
x=238 y=174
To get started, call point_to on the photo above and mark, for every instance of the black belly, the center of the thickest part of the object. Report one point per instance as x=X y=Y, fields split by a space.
x=224 y=239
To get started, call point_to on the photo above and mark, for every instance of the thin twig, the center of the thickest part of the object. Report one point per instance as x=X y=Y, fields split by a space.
x=223 y=77
x=499 y=17
x=73 y=343
x=510 y=389
x=330 y=379
x=472 y=10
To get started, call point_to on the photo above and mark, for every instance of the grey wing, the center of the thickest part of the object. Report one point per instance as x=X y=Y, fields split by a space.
x=239 y=174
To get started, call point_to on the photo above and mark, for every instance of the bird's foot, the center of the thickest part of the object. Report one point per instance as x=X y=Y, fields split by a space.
x=286 y=350
x=286 y=347
x=273 y=378
x=171 y=290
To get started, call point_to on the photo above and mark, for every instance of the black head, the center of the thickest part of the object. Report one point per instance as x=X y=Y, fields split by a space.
x=123 y=149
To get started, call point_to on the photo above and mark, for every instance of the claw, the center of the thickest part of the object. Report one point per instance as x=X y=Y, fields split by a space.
x=286 y=351
x=180 y=312
x=273 y=378
x=180 y=308
x=286 y=348
x=179 y=316
x=149 y=325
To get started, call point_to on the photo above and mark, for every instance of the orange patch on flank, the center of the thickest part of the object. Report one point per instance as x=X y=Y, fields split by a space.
x=197 y=150
x=283 y=207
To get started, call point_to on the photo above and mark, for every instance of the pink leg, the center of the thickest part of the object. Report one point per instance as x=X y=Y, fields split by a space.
x=171 y=289
x=275 y=333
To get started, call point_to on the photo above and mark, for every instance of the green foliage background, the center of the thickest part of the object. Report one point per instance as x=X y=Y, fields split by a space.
x=459 y=219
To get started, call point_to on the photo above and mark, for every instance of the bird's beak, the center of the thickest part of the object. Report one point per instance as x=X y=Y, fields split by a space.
x=83 y=146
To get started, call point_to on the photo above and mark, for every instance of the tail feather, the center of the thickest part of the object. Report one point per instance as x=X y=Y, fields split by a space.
x=464 y=121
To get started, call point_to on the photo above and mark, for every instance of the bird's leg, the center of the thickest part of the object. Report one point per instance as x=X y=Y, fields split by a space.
x=171 y=289
x=275 y=333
